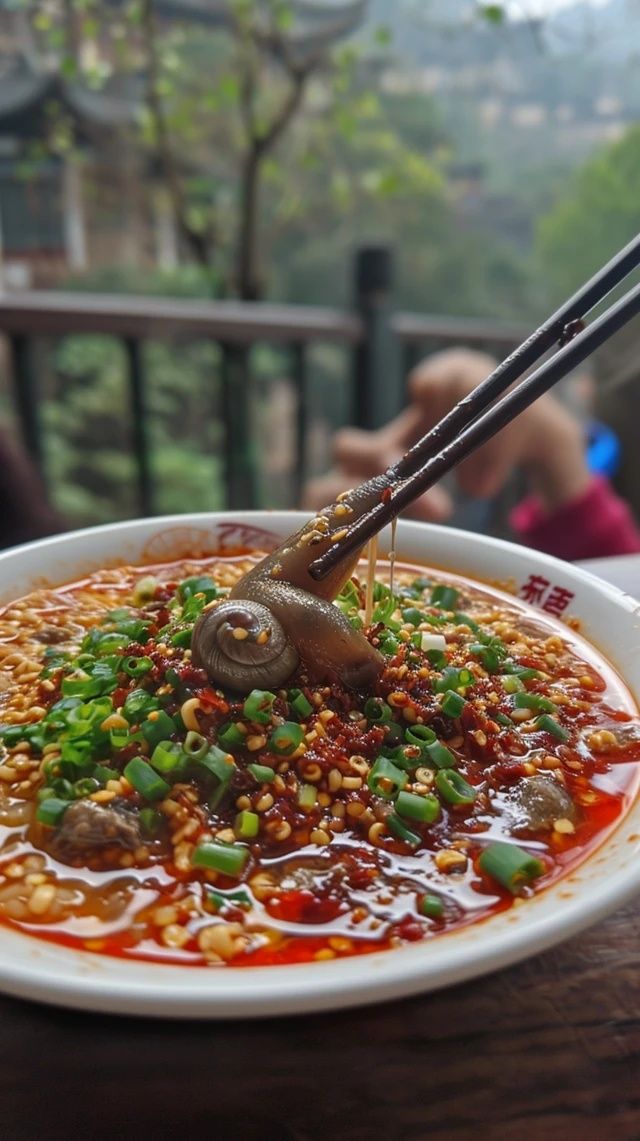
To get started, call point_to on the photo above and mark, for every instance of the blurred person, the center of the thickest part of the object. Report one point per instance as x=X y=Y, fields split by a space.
x=570 y=512
x=25 y=512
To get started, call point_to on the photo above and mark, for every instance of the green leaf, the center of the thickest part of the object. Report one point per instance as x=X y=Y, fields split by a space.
x=382 y=36
x=493 y=13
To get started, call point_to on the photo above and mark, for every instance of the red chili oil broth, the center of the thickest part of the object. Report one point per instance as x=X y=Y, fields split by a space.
x=316 y=922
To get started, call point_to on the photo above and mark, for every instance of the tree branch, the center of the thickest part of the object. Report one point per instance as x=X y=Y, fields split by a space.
x=200 y=244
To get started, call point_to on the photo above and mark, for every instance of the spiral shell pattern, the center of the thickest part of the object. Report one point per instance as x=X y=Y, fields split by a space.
x=243 y=646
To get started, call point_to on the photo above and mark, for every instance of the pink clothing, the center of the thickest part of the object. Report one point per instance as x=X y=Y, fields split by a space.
x=596 y=524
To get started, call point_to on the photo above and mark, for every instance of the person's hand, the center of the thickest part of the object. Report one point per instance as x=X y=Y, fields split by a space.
x=545 y=441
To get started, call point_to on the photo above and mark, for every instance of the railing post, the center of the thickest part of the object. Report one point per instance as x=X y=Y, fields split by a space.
x=25 y=388
x=299 y=373
x=237 y=413
x=133 y=350
x=379 y=384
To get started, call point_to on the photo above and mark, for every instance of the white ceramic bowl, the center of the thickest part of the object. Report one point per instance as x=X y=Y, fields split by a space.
x=610 y=619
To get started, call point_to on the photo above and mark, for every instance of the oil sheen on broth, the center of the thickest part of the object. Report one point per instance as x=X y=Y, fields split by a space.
x=147 y=814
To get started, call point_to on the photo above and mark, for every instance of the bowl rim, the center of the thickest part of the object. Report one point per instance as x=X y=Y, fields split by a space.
x=34 y=968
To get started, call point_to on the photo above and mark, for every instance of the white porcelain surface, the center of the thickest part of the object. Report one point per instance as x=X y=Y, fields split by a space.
x=610 y=619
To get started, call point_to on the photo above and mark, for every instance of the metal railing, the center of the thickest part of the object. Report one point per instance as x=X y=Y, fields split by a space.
x=383 y=345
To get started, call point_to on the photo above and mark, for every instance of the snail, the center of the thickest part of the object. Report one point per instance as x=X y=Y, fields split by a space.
x=277 y=615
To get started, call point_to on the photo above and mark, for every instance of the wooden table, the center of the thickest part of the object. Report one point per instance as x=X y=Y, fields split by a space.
x=548 y=1050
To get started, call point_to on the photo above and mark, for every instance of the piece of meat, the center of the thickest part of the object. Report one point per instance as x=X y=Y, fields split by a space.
x=536 y=803
x=88 y=828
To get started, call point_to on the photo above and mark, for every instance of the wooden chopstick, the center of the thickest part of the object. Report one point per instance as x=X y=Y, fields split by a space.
x=477 y=418
x=559 y=328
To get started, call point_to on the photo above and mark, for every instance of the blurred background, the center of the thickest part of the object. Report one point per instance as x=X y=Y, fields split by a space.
x=230 y=226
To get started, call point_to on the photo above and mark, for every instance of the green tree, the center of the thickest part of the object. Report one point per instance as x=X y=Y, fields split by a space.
x=217 y=102
x=598 y=213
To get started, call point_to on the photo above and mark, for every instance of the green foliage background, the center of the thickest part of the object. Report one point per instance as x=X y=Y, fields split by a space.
x=356 y=165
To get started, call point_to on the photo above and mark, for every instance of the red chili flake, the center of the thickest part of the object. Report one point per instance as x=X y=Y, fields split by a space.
x=386 y=495
x=507 y=772
x=409 y=930
x=210 y=700
x=304 y=907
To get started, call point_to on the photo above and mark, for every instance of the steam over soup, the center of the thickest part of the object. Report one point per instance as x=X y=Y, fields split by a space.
x=146 y=813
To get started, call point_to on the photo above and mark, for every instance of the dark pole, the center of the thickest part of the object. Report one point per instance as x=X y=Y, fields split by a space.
x=237 y=413
x=26 y=395
x=379 y=384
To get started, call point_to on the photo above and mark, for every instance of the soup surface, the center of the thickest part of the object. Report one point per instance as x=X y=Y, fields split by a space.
x=145 y=813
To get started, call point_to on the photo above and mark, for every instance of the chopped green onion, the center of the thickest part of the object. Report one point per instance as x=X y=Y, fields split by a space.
x=10 y=735
x=307 y=796
x=511 y=683
x=85 y=786
x=50 y=812
x=510 y=865
x=135 y=629
x=136 y=667
x=453 y=788
x=502 y=719
x=387 y=604
x=75 y=760
x=220 y=899
x=421 y=583
x=440 y=756
x=182 y=639
x=230 y=736
x=550 y=725
x=420 y=735
x=431 y=906
x=388 y=644
x=412 y=615
x=299 y=703
x=523 y=672
x=404 y=756
x=195 y=745
x=246 y=825
x=201 y=584
x=437 y=658
x=167 y=757
x=79 y=684
x=157 y=727
x=400 y=830
x=63 y=789
x=452 y=704
x=144 y=590
x=220 y=764
x=229 y=859
x=437 y=620
x=454 y=679
x=414 y=807
x=120 y=738
x=393 y=734
x=193 y=607
x=487 y=655
x=103 y=773
x=150 y=821
x=534 y=701
x=145 y=780
x=286 y=738
x=262 y=773
x=138 y=705
x=377 y=712
x=103 y=642
x=257 y=706
x=386 y=779
x=446 y=597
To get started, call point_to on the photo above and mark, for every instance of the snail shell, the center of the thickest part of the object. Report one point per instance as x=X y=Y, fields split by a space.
x=242 y=645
